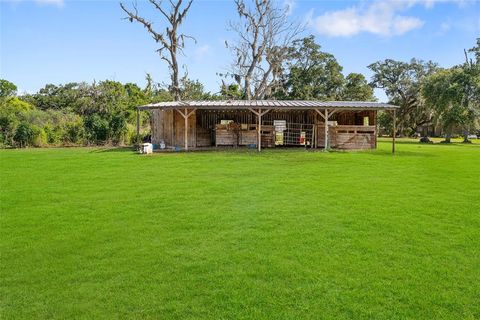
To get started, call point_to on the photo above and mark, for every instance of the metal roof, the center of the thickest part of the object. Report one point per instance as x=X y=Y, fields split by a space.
x=269 y=104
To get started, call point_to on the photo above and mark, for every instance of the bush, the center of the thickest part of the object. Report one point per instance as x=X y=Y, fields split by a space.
x=39 y=138
x=97 y=129
x=53 y=134
x=74 y=132
x=118 y=128
x=23 y=135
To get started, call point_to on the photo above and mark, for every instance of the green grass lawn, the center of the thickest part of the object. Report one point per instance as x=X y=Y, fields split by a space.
x=284 y=234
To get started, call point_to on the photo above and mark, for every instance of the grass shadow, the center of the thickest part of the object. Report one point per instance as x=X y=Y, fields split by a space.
x=114 y=149
x=401 y=153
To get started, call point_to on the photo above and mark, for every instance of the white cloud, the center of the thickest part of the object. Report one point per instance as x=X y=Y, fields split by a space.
x=378 y=17
x=431 y=3
x=58 y=3
x=445 y=26
x=402 y=24
x=338 y=23
x=201 y=52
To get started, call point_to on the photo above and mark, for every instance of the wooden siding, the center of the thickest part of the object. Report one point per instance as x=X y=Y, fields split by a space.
x=179 y=129
x=247 y=137
x=225 y=137
x=348 y=137
x=162 y=127
x=204 y=137
x=353 y=137
x=168 y=126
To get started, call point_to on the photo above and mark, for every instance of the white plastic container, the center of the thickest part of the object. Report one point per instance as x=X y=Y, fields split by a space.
x=147 y=148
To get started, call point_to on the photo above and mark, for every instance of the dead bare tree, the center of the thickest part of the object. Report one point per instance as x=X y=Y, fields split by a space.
x=265 y=36
x=170 y=40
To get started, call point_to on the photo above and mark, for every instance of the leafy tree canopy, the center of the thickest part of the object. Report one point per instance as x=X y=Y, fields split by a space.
x=7 y=89
x=356 y=88
x=402 y=82
x=313 y=74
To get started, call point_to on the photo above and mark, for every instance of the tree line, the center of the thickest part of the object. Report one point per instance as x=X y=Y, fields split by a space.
x=104 y=112
x=270 y=60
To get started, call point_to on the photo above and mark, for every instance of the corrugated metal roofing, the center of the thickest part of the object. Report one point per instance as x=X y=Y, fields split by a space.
x=268 y=104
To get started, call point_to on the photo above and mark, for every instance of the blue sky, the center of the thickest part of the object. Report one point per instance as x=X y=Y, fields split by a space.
x=59 y=41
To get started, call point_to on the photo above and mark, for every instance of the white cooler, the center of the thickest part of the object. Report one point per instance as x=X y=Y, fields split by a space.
x=146 y=148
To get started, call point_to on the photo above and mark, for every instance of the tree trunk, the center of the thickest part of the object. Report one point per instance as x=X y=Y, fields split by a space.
x=448 y=137
x=465 y=137
x=175 y=81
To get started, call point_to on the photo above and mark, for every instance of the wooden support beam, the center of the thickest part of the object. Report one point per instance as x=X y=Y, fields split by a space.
x=320 y=113
x=259 y=112
x=259 y=115
x=259 y=128
x=326 y=130
x=138 y=126
x=326 y=115
x=185 y=116
x=331 y=113
x=394 y=130
x=313 y=133
x=185 y=132
x=376 y=128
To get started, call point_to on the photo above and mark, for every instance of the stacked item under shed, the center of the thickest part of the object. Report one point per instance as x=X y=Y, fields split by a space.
x=247 y=135
x=226 y=134
x=234 y=134
x=268 y=136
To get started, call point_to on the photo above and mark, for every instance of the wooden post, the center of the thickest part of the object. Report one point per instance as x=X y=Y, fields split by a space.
x=259 y=125
x=259 y=117
x=325 y=121
x=394 y=130
x=313 y=135
x=326 y=130
x=376 y=128
x=186 y=130
x=138 y=126
x=185 y=116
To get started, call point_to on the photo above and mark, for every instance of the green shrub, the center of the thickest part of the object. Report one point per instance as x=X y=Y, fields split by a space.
x=39 y=138
x=97 y=129
x=53 y=134
x=23 y=135
x=74 y=132
x=118 y=128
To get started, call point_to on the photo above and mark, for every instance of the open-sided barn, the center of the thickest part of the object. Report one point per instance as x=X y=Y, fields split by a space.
x=265 y=123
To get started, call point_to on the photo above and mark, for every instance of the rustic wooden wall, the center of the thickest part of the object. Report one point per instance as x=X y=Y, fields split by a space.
x=179 y=130
x=354 y=137
x=169 y=126
x=162 y=126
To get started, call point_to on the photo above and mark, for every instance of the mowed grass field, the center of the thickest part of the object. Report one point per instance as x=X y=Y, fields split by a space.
x=284 y=234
